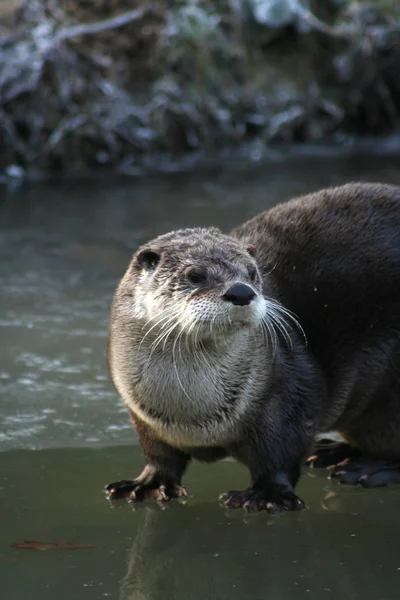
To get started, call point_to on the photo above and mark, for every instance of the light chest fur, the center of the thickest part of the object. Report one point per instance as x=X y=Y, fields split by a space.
x=191 y=397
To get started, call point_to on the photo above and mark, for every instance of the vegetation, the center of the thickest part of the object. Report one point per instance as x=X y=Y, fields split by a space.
x=96 y=82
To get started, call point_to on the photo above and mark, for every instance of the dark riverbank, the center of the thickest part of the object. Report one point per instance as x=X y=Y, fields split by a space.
x=104 y=84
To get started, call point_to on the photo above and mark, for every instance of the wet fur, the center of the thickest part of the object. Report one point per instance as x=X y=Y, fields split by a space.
x=336 y=260
x=333 y=259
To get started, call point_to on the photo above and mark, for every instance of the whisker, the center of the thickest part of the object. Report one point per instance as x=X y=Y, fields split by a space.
x=165 y=335
x=269 y=272
x=158 y=321
x=270 y=334
x=166 y=329
x=290 y=315
x=176 y=369
x=204 y=354
x=280 y=323
x=164 y=332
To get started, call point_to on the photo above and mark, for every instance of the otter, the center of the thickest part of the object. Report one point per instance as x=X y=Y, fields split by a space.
x=251 y=344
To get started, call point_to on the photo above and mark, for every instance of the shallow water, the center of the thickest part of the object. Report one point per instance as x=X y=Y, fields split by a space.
x=63 y=249
x=344 y=546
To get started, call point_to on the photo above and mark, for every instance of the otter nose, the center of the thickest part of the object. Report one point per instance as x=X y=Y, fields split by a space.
x=239 y=294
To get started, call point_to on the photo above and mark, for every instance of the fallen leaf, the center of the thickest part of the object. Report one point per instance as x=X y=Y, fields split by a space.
x=34 y=545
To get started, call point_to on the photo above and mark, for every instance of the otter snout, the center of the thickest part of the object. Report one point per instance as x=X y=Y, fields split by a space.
x=239 y=294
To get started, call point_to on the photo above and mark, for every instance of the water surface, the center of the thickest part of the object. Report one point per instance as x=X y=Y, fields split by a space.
x=345 y=546
x=63 y=249
x=64 y=433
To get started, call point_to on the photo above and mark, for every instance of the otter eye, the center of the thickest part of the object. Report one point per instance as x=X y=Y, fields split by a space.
x=148 y=259
x=195 y=276
x=252 y=273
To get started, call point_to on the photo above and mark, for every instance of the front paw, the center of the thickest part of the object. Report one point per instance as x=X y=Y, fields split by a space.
x=255 y=500
x=137 y=491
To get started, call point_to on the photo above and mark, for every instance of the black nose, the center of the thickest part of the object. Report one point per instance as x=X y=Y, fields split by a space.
x=239 y=294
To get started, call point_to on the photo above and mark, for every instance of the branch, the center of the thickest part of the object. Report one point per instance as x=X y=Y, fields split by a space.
x=315 y=23
x=99 y=26
x=342 y=32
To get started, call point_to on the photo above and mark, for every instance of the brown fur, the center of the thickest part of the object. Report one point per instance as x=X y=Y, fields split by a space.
x=333 y=259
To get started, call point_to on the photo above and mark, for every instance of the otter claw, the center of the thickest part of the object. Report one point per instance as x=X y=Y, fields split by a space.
x=162 y=494
x=223 y=496
x=135 y=491
x=255 y=501
x=181 y=492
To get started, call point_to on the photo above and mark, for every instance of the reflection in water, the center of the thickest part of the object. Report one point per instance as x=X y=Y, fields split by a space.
x=63 y=249
x=198 y=552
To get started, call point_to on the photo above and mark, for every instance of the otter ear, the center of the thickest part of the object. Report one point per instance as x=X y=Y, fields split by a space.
x=251 y=250
x=148 y=259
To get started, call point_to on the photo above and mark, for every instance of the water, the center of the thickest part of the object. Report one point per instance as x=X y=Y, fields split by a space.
x=63 y=249
x=344 y=546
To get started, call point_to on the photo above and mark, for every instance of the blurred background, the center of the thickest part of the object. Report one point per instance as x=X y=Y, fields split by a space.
x=117 y=83
x=120 y=121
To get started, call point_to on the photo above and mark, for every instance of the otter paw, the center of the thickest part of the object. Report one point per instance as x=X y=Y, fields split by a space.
x=328 y=453
x=367 y=472
x=256 y=500
x=135 y=491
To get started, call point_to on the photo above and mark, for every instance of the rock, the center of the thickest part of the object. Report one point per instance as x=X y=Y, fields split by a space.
x=273 y=13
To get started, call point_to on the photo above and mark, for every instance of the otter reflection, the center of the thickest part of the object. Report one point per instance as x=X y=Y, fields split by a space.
x=199 y=552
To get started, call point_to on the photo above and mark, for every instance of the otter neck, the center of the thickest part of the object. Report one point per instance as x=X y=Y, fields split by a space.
x=197 y=393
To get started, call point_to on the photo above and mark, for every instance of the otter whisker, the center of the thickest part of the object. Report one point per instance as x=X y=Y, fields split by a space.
x=166 y=328
x=164 y=332
x=265 y=338
x=188 y=336
x=196 y=346
x=203 y=354
x=166 y=318
x=149 y=330
x=159 y=339
x=278 y=308
x=196 y=333
x=176 y=369
x=158 y=317
x=293 y=319
x=279 y=315
x=215 y=336
x=270 y=271
x=280 y=326
x=270 y=334
x=214 y=324
x=165 y=336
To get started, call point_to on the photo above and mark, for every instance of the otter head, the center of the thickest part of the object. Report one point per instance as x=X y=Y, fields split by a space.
x=197 y=282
